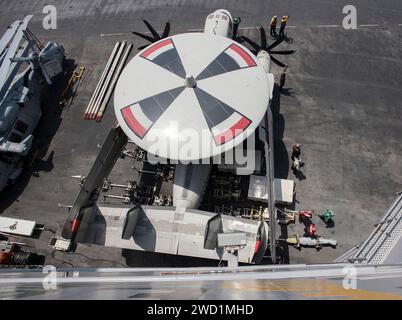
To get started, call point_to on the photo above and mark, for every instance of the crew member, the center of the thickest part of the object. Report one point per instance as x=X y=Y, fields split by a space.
x=296 y=151
x=306 y=214
x=327 y=217
x=297 y=163
x=274 y=21
x=284 y=20
x=311 y=230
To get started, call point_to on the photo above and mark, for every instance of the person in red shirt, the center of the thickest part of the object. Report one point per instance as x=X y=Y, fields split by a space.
x=311 y=230
x=306 y=214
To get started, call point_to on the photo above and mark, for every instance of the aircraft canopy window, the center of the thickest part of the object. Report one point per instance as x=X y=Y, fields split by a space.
x=224 y=17
x=211 y=16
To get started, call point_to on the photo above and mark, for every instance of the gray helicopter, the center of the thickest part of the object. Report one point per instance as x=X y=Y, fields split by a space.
x=20 y=94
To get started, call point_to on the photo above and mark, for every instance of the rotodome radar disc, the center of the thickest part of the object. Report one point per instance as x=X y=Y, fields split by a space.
x=190 y=90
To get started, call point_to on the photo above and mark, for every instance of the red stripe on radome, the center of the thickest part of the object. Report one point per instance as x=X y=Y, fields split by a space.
x=133 y=123
x=233 y=132
x=155 y=47
x=245 y=56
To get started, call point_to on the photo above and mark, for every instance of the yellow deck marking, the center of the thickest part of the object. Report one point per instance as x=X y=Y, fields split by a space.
x=310 y=288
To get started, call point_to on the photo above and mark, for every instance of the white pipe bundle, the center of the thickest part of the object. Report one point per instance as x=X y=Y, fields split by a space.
x=101 y=83
x=99 y=100
x=112 y=85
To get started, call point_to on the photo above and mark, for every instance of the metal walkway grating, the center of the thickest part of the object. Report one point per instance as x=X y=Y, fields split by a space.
x=385 y=236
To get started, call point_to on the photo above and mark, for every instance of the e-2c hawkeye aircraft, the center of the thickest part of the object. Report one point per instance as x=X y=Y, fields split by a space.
x=206 y=83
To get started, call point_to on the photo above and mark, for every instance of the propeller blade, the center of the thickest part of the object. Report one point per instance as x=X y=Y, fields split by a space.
x=166 y=31
x=154 y=33
x=278 y=62
x=148 y=38
x=283 y=52
x=251 y=43
x=276 y=43
x=263 y=38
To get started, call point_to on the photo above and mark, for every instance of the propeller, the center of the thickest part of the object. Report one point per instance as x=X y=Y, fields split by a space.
x=155 y=36
x=263 y=46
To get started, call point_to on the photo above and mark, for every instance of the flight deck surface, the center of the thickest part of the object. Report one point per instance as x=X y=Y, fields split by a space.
x=341 y=101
